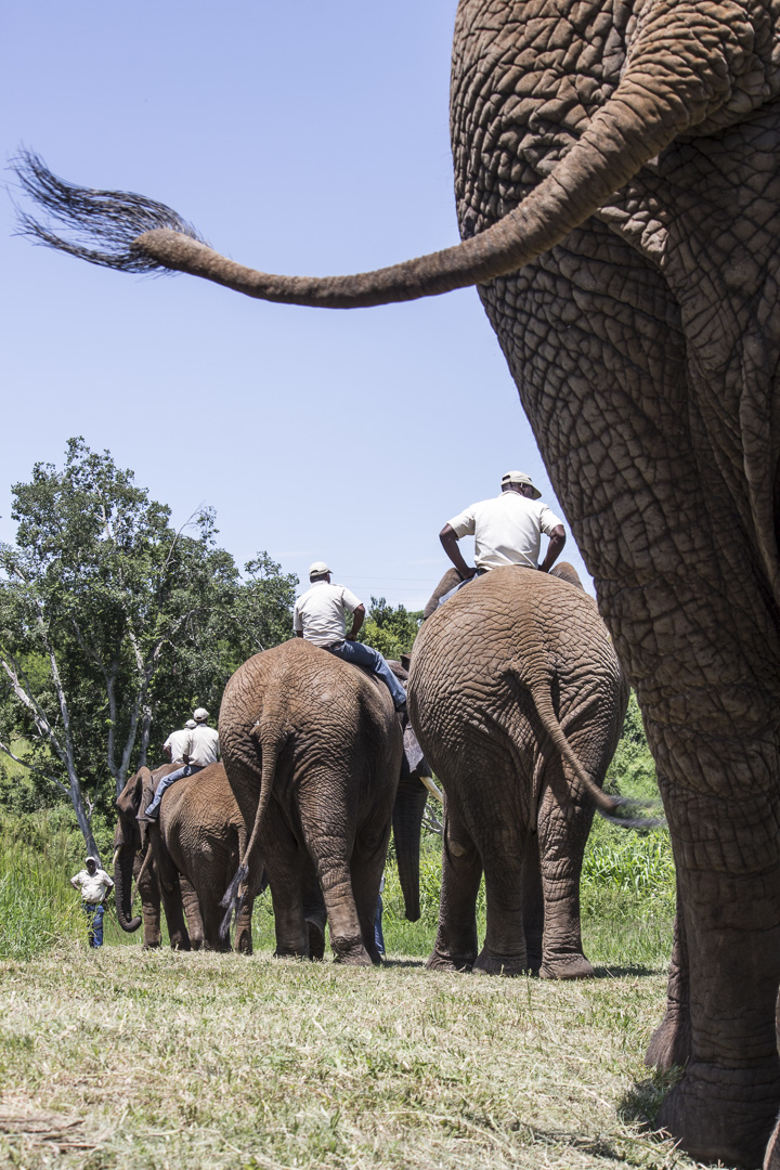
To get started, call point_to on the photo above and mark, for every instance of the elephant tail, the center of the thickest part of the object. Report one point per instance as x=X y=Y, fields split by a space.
x=269 y=735
x=619 y=809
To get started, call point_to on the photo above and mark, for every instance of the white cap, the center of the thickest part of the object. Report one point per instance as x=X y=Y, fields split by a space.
x=190 y=724
x=200 y=714
x=318 y=569
x=521 y=477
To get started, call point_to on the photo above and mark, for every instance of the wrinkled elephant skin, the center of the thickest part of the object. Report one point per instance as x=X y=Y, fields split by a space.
x=195 y=848
x=494 y=670
x=616 y=177
x=312 y=749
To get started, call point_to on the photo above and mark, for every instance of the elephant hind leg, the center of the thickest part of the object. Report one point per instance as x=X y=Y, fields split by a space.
x=563 y=827
x=455 y=948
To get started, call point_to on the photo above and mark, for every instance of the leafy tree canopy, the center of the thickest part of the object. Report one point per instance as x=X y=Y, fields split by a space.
x=390 y=629
x=113 y=625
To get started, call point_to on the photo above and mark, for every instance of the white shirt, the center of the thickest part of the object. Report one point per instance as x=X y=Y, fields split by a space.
x=321 y=613
x=93 y=885
x=204 y=746
x=506 y=529
x=177 y=741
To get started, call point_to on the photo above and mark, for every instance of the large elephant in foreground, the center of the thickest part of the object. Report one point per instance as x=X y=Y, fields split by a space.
x=617 y=178
x=518 y=700
x=187 y=858
x=313 y=751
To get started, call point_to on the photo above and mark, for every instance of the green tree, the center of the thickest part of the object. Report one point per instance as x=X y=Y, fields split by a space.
x=111 y=620
x=390 y=629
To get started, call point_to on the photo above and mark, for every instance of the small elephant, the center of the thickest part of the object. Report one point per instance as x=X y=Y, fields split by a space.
x=189 y=857
x=518 y=699
x=313 y=752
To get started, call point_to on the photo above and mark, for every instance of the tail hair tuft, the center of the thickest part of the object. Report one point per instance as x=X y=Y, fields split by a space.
x=113 y=219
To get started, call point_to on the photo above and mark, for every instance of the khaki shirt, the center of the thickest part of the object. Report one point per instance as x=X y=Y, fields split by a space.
x=204 y=746
x=506 y=529
x=177 y=741
x=321 y=613
x=93 y=886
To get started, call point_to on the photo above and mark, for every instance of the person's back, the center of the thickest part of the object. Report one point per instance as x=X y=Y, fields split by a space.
x=321 y=612
x=204 y=746
x=177 y=743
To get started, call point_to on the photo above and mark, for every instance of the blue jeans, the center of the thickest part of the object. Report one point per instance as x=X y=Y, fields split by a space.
x=362 y=655
x=165 y=783
x=94 y=912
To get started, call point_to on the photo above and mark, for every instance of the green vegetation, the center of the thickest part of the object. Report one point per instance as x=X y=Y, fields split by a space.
x=158 y=1060
x=113 y=626
x=390 y=629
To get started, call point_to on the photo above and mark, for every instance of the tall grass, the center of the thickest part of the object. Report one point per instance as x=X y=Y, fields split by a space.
x=38 y=907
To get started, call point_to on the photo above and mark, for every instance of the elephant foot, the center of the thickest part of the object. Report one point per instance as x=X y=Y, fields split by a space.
x=489 y=963
x=670 y=1043
x=720 y=1114
x=438 y=961
x=243 y=943
x=574 y=966
x=350 y=953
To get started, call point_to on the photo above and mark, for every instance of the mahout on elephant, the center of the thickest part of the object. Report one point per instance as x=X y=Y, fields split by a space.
x=313 y=751
x=518 y=699
x=187 y=859
x=616 y=175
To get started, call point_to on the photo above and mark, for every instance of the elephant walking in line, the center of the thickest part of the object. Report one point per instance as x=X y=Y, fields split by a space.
x=187 y=858
x=617 y=179
x=313 y=752
x=518 y=699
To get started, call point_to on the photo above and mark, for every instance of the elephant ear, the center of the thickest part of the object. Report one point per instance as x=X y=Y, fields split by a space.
x=567 y=572
x=450 y=579
x=147 y=787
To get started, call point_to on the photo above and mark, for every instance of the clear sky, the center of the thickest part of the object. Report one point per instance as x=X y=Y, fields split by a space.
x=303 y=137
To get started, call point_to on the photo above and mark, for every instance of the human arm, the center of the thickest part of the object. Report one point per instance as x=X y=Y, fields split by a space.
x=554 y=548
x=358 y=617
x=449 y=542
x=74 y=881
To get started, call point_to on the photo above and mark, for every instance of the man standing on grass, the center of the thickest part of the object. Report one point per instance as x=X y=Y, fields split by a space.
x=94 y=884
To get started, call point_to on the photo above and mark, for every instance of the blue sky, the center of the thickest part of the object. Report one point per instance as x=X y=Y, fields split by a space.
x=298 y=138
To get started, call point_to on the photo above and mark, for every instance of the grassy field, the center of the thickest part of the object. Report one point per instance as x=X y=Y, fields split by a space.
x=120 y=1057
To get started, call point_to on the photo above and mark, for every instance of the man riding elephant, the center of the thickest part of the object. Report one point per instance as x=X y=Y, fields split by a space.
x=320 y=616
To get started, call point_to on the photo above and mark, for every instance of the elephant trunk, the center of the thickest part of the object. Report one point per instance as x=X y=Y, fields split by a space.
x=661 y=95
x=123 y=885
x=407 y=821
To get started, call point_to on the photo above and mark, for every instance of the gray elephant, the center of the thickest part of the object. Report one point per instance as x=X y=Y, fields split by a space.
x=313 y=752
x=188 y=858
x=617 y=188
x=518 y=699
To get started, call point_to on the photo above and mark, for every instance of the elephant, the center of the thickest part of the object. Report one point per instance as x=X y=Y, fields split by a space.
x=313 y=752
x=518 y=700
x=189 y=857
x=616 y=182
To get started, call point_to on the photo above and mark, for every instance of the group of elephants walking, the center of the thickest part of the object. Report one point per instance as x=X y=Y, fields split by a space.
x=616 y=175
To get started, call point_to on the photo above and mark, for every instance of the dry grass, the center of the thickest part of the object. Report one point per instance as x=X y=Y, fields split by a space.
x=121 y=1057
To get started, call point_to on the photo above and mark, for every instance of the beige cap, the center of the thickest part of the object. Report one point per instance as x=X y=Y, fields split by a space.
x=318 y=569
x=200 y=714
x=521 y=477
x=190 y=724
